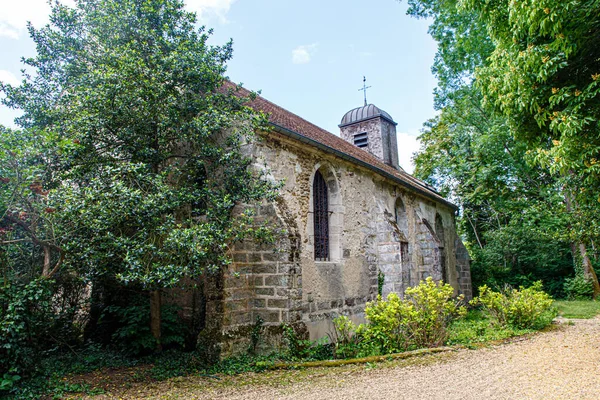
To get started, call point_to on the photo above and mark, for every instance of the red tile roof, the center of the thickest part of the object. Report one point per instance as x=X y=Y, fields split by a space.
x=285 y=121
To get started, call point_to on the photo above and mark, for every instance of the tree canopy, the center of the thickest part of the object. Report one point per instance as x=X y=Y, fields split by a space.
x=516 y=141
x=141 y=148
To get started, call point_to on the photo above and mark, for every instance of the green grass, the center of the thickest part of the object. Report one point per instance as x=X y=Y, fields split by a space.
x=578 y=308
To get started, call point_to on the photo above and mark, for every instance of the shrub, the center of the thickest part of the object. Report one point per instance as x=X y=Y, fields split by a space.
x=26 y=318
x=384 y=334
x=433 y=308
x=476 y=328
x=297 y=348
x=524 y=308
x=39 y=318
x=345 y=338
x=305 y=349
x=420 y=320
x=133 y=334
x=578 y=288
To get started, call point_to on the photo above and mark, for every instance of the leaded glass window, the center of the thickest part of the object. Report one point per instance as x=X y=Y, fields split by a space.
x=321 y=218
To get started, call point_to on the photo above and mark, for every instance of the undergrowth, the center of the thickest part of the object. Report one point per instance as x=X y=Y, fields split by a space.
x=476 y=328
x=54 y=380
x=427 y=317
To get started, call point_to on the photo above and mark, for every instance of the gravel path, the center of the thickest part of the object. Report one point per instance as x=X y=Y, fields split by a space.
x=561 y=364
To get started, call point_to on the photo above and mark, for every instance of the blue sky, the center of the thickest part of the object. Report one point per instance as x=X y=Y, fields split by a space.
x=307 y=56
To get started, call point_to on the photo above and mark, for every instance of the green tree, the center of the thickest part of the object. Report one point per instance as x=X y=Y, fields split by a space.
x=32 y=318
x=514 y=214
x=149 y=142
x=544 y=75
x=29 y=246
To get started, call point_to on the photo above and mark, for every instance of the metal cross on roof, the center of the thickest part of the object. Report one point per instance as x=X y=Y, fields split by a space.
x=364 y=88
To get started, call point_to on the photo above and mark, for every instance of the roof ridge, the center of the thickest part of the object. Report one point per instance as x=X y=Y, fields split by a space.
x=258 y=95
x=286 y=119
x=299 y=117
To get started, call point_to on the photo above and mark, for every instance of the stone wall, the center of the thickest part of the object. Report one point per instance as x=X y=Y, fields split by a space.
x=283 y=283
x=376 y=144
x=463 y=268
x=263 y=283
x=382 y=140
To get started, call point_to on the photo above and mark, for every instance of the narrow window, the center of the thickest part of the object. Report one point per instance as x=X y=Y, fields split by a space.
x=403 y=252
x=361 y=140
x=443 y=265
x=405 y=263
x=439 y=231
x=321 y=218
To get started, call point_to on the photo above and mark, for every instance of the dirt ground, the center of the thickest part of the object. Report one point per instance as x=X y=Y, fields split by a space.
x=561 y=364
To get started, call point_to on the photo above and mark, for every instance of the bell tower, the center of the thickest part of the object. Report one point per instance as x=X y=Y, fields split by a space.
x=373 y=130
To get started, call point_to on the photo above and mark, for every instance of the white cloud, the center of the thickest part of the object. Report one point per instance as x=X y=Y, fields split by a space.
x=407 y=145
x=8 y=31
x=302 y=54
x=15 y=14
x=210 y=8
x=8 y=115
x=9 y=77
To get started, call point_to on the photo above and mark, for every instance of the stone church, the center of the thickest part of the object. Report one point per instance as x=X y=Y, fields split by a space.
x=350 y=217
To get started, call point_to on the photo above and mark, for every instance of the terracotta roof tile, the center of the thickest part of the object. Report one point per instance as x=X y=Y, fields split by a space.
x=283 y=118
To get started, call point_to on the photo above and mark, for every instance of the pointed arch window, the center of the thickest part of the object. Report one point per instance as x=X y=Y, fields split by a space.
x=321 y=217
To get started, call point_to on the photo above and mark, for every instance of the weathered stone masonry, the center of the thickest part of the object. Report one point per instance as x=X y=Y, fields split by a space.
x=376 y=224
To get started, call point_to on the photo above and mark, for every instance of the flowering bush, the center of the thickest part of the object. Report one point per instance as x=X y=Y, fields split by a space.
x=526 y=308
x=421 y=319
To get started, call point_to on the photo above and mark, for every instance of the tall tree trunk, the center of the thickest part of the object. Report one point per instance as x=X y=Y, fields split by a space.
x=474 y=230
x=4 y=265
x=155 y=317
x=588 y=269
x=47 y=259
x=574 y=253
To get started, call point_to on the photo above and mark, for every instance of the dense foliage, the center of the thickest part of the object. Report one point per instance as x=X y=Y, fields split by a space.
x=578 y=288
x=393 y=325
x=127 y=168
x=421 y=319
x=516 y=141
x=524 y=308
x=431 y=313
